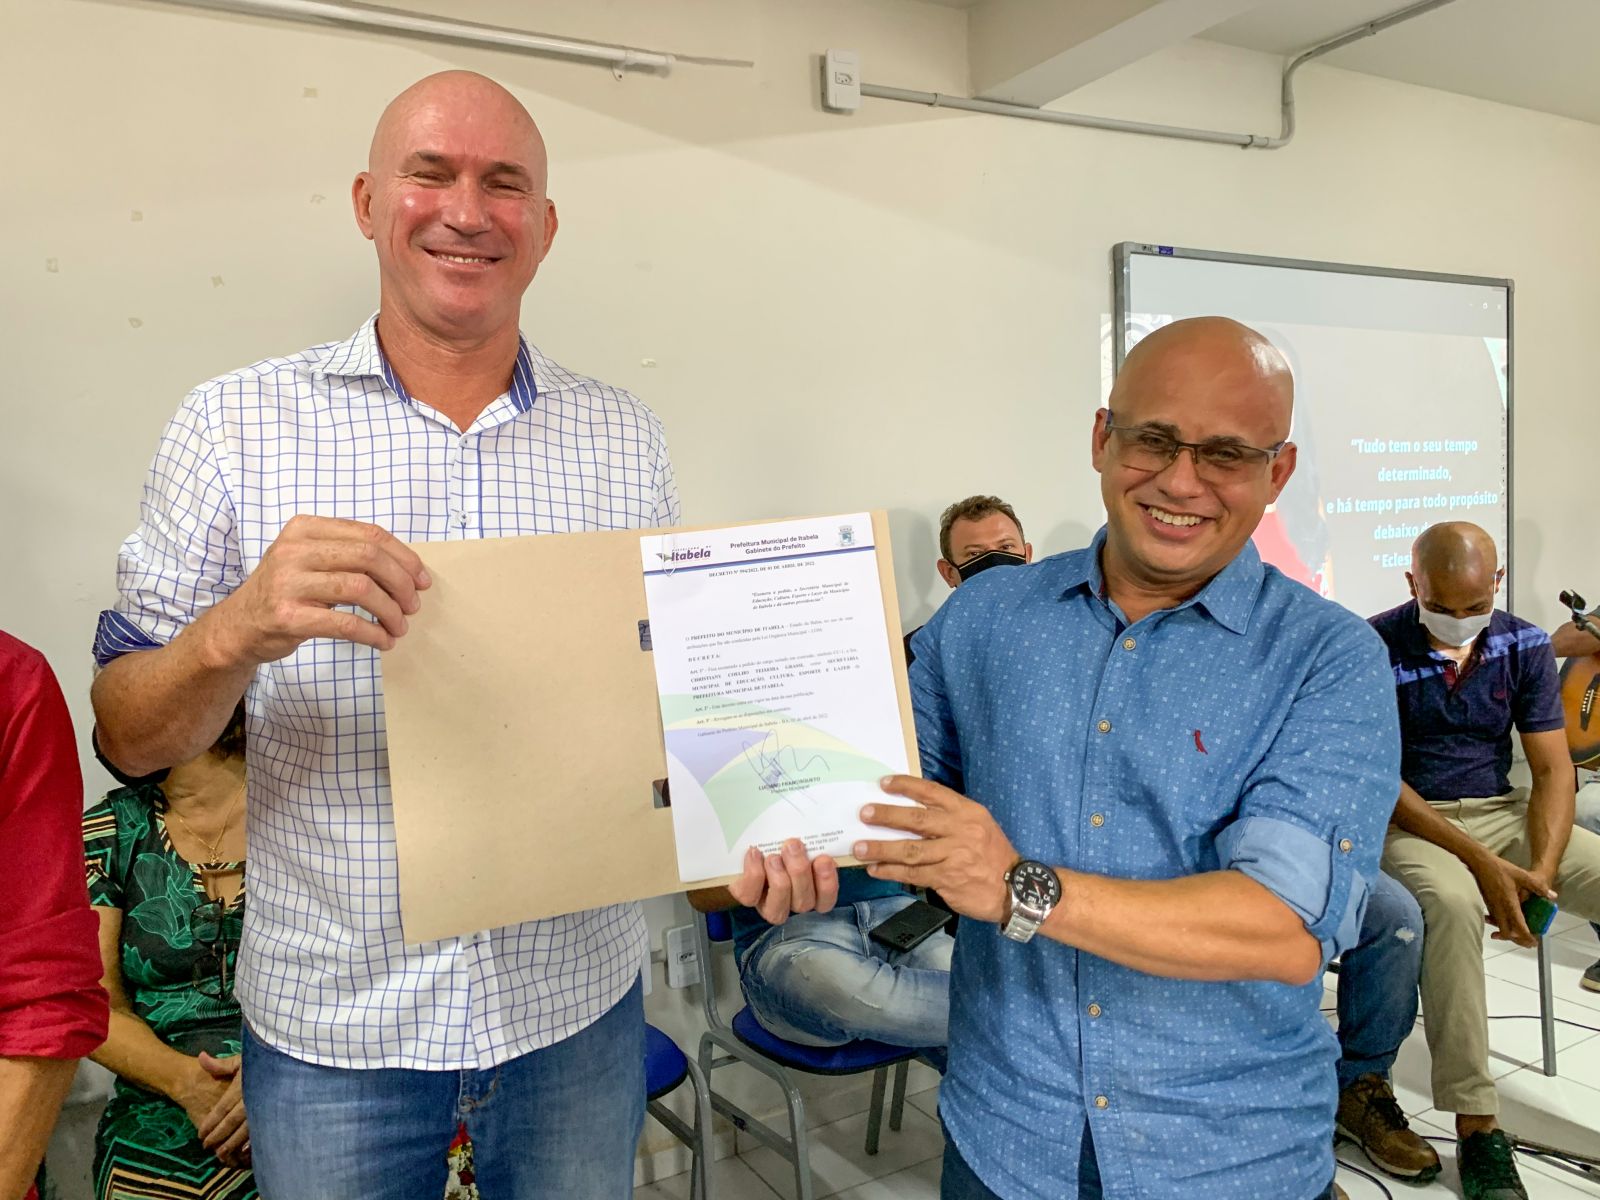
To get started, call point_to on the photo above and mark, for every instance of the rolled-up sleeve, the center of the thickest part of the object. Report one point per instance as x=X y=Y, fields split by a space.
x=1311 y=820
x=183 y=557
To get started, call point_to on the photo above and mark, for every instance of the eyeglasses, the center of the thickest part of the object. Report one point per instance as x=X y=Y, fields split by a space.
x=1220 y=460
x=211 y=976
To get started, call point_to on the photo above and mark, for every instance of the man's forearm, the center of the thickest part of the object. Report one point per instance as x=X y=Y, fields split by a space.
x=1417 y=817
x=1551 y=811
x=155 y=708
x=1222 y=925
x=1569 y=641
x=31 y=1092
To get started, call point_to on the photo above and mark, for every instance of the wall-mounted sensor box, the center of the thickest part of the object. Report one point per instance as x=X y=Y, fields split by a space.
x=841 y=81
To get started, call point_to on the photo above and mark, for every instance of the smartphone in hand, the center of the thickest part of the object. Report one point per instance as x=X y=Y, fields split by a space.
x=1538 y=912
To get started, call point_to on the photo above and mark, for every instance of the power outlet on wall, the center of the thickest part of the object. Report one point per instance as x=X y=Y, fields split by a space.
x=683 y=959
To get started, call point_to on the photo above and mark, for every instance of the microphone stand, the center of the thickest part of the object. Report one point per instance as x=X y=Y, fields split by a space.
x=1576 y=604
x=1587 y=1165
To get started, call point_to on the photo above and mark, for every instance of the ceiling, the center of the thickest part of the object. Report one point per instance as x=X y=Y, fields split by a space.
x=1538 y=54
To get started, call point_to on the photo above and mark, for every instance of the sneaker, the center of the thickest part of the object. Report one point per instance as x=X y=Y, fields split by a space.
x=1370 y=1116
x=1488 y=1169
x=1591 y=979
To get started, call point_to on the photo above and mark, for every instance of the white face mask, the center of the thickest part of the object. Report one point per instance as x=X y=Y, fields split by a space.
x=1453 y=631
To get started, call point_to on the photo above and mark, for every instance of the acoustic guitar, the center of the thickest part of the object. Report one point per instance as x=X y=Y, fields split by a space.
x=1580 y=701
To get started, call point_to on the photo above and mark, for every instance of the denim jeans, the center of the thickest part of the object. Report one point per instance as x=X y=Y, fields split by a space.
x=561 y=1121
x=819 y=980
x=960 y=1182
x=1589 y=817
x=1378 y=983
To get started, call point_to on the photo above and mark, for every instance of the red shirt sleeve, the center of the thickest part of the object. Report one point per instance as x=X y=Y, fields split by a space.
x=51 y=1001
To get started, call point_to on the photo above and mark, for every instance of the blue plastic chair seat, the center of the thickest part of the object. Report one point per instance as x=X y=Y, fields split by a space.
x=848 y=1059
x=664 y=1064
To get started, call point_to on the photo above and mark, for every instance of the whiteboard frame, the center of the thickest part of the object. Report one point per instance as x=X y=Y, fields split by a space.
x=1123 y=254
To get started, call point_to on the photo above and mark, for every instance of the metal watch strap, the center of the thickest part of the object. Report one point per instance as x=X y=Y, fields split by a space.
x=1020 y=924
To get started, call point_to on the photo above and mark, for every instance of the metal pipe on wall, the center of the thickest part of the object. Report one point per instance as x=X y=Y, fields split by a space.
x=392 y=20
x=1247 y=141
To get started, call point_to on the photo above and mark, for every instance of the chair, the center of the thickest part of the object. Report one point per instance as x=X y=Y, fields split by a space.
x=744 y=1040
x=1547 y=1011
x=665 y=1067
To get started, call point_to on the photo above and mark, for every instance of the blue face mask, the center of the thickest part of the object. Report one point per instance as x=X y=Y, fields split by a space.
x=993 y=558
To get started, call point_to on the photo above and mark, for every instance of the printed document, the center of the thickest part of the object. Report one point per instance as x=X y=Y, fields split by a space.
x=778 y=699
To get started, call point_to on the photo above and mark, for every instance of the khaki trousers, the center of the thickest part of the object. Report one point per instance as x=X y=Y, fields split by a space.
x=1454 y=1009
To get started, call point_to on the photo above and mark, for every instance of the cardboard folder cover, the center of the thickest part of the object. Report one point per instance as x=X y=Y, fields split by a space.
x=525 y=732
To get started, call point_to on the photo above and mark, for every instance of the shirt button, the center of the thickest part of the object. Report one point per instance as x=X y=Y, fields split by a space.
x=461 y=519
x=1097 y=819
x=1128 y=643
x=1104 y=726
x=1094 y=1010
x=1101 y=1102
x=1346 y=845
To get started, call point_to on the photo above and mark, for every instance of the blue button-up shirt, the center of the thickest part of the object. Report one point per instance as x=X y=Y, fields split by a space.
x=1252 y=728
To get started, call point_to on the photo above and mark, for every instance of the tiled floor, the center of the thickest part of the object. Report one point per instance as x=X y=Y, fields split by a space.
x=1564 y=1111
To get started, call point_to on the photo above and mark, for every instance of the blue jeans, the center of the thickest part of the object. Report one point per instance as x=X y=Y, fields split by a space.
x=819 y=980
x=1588 y=816
x=561 y=1121
x=960 y=1182
x=1378 y=983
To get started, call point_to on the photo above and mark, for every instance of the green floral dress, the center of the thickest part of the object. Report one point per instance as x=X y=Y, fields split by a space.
x=172 y=960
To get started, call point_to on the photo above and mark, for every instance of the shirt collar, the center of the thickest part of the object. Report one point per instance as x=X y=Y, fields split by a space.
x=1229 y=598
x=361 y=355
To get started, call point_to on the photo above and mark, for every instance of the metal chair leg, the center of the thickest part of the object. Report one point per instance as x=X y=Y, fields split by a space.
x=700 y=1180
x=880 y=1080
x=1547 y=1014
x=897 y=1108
x=801 y=1142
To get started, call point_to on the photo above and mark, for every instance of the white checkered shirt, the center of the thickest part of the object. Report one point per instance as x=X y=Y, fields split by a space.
x=324 y=973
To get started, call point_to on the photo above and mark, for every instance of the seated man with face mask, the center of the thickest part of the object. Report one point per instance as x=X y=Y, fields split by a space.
x=1463 y=840
x=820 y=979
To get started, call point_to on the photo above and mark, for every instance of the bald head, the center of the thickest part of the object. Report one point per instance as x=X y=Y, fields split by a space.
x=1193 y=446
x=1457 y=552
x=454 y=200
x=1454 y=576
x=456 y=102
x=1210 y=346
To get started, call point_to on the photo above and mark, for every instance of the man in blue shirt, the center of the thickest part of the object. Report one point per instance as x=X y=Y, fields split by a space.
x=1465 y=840
x=1180 y=766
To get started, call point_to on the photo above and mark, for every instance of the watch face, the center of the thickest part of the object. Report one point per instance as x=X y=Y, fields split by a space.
x=1035 y=885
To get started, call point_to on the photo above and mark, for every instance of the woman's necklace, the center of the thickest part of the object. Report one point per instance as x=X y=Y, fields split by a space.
x=213 y=849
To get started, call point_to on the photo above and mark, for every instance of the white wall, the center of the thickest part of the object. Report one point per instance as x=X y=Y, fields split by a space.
x=891 y=309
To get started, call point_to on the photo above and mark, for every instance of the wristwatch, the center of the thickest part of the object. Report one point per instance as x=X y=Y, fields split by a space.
x=1032 y=891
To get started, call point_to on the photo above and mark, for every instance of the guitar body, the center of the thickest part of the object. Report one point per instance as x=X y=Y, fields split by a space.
x=1580 y=701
